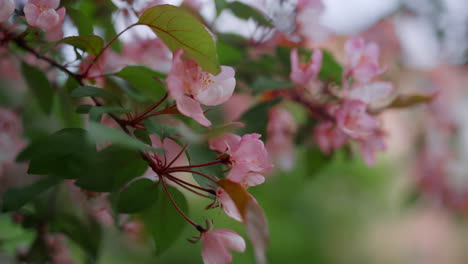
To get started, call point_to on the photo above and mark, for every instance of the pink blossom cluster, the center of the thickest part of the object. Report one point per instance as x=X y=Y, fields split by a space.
x=350 y=118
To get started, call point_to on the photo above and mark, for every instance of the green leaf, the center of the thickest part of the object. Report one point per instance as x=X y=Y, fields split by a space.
x=100 y=134
x=91 y=44
x=64 y=154
x=264 y=83
x=142 y=79
x=160 y=129
x=138 y=196
x=246 y=12
x=84 y=108
x=180 y=30
x=199 y=154
x=82 y=21
x=39 y=85
x=15 y=198
x=331 y=70
x=163 y=221
x=91 y=91
x=143 y=136
x=256 y=118
x=96 y=112
x=111 y=168
x=230 y=54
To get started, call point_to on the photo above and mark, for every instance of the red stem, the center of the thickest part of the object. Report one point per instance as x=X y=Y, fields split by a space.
x=196 y=172
x=200 y=165
x=198 y=227
x=185 y=185
x=141 y=117
x=106 y=47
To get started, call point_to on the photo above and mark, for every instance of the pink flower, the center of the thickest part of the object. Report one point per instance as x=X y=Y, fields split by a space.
x=56 y=33
x=308 y=21
x=248 y=155
x=353 y=119
x=370 y=92
x=7 y=7
x=216 y=245
x=236 y=106
x=43 y=13
x=369 y=145
x=190 y=86
x=329 y=137
x=281 y=129
x=363 y=59
x=150 y=52
x=303 y=74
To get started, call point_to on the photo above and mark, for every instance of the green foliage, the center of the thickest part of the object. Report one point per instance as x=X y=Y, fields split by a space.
x=265 y=83
x=331 y=70
x=84 y=91
x=199 y=154
x=246 y=12
x=162 y=221
x=180 y=30
x=159 y=129
x=143 y=80
x=15 y=198
x=63 y=154
x=82 y=21
x=39 y=84
x=256 y=117
x=96 y=112
x=138 y=196
x=111 y=168
x=91 y=44
x=103 y=134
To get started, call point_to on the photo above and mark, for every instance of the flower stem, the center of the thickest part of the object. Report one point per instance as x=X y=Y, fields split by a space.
x=198 y=227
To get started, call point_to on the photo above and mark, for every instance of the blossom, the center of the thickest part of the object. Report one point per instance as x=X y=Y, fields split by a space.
x=363 y=59
x=308 y=21
x=190 y=87
x=43 y=13
x=248 y=156
x=369 y=145
x=370 y=92
x=150 y=52
x=329 y=137
x=303 y=74
x=281 y=128
x=7 y=7
x=216 y=245
x=353 y=119
x=56 y=33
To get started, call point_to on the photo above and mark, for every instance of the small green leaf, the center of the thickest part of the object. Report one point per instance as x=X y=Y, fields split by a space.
x=96 y=112
x=100 y=134
x=142 y=79
x=15 y=198
x=180 y=30
x=84 y=91
x=159 y=129
x=256 y=117
x=246 y=12
x=91 y=44
x=331 y=70
x=162 y=220
x=138 y=196
x=39 y=85
x=263 y=83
